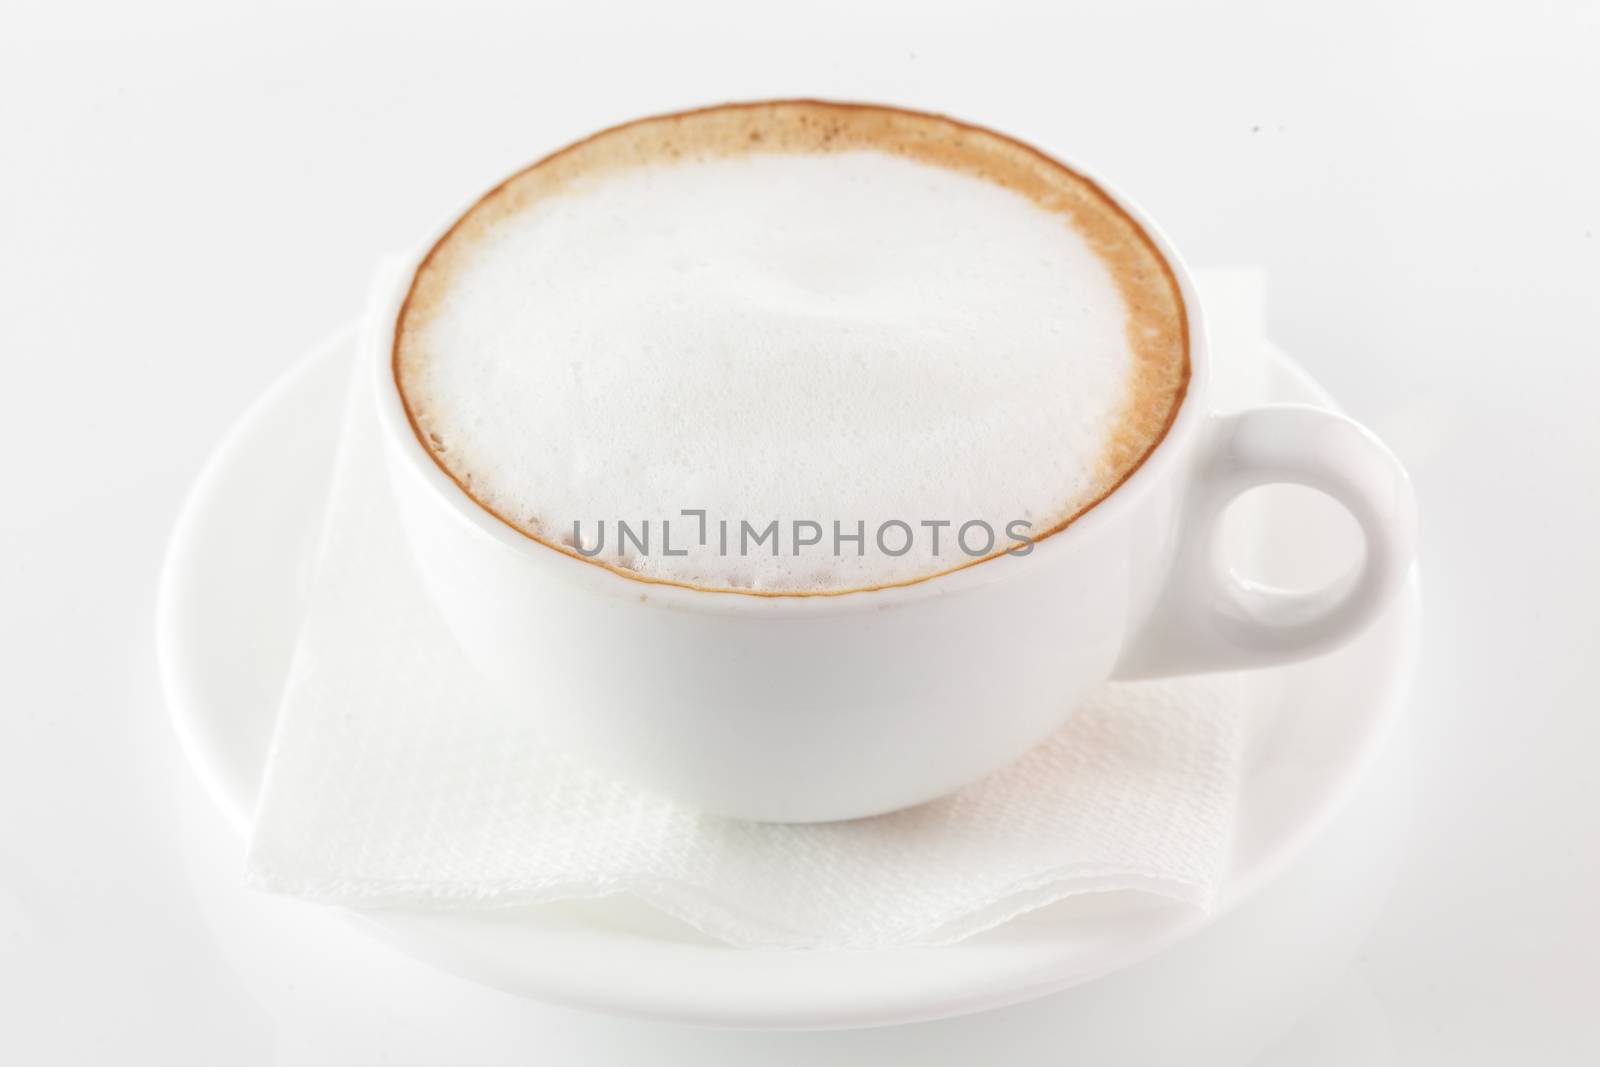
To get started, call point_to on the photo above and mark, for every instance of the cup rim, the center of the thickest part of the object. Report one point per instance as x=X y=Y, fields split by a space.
x=394 y=286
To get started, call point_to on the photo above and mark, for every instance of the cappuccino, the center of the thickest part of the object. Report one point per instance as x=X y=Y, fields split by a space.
x=886 y=344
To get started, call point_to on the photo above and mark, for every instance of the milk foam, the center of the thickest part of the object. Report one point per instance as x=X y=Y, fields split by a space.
x=849 y=336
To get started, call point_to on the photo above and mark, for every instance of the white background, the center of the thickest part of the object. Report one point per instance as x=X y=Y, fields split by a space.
x=192 y=194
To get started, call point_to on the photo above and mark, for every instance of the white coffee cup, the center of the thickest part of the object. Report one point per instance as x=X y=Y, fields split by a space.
x=803 y=708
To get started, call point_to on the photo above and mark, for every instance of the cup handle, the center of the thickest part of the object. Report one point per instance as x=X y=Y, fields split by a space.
x=1207 y=618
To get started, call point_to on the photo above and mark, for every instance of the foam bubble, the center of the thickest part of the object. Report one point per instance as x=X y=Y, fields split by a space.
x=851 y=337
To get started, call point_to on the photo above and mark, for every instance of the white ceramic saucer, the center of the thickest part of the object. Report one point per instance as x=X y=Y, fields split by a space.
x=232 y=594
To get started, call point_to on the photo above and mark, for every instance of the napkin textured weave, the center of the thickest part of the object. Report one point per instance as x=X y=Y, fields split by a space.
x=396 y=779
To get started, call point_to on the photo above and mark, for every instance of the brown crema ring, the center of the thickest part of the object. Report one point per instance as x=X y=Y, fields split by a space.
x=1157 y=326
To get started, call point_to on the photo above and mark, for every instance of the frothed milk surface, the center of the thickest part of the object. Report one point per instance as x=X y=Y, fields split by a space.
x=840 y=320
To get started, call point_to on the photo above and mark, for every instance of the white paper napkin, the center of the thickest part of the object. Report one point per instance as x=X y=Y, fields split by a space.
x=394 y=780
